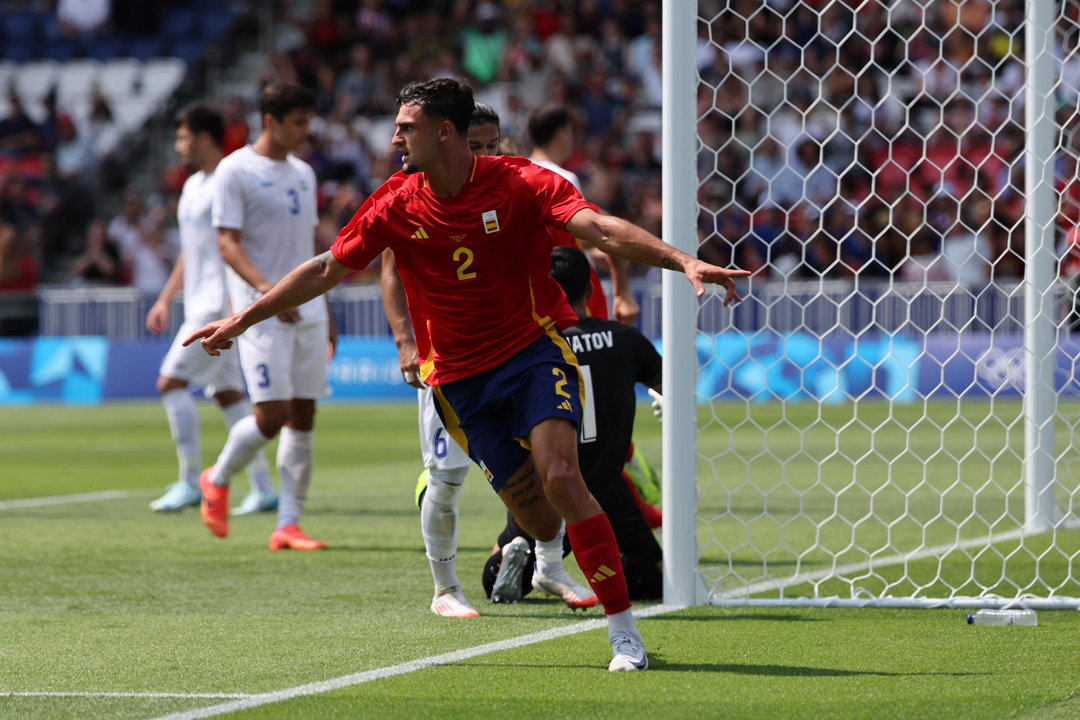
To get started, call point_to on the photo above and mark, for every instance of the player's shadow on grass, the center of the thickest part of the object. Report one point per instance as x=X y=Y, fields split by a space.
x=406 y=549
x=656 y=662
x=359 y=512
x=768 y=617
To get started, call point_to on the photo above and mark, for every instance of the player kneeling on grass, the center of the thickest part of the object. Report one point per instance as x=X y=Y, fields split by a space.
x=468 y=236
x=613 y=357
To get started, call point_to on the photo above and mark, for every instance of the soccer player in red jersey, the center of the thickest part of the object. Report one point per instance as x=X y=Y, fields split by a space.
x=471 y=250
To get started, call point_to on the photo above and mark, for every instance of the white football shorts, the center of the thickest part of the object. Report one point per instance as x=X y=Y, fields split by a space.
x=283 y=361
x=438 y=448
x=193 y=365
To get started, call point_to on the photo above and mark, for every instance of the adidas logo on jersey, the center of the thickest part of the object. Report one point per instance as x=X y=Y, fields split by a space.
x=420 y=234
x=565 y=405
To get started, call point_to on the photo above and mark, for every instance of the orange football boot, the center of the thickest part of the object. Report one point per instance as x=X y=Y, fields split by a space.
x=293 y=538
x=215 y=504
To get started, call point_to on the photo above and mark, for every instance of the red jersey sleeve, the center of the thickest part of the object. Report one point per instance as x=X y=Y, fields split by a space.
x=559 y=200
x=366 y=234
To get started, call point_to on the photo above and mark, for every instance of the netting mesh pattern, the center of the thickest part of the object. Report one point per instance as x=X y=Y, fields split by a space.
x=862 y=431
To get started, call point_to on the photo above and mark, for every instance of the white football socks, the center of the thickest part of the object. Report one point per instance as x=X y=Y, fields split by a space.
x=258 y=470
x=622 y=622
x=184 y=426
x=244 y=441
x=438 y=523
x=549 y=553
x=295 y=461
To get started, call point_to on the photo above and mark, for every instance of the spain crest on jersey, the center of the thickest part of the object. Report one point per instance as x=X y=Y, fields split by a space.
x=491 y=222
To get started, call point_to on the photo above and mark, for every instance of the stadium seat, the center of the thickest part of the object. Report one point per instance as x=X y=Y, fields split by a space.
x=107 y=46
x=215 y=23
x=161 y=77
x=190 y=50
x=144 y=48
x=21 y=50
x=179 y=22
x=118 y=78
x=20 y=25
x=60 y=49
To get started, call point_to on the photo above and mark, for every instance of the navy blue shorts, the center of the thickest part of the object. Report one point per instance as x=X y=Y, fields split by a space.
x=490 y=414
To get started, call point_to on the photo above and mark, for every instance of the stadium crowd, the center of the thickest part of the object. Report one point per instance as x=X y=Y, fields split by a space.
x=835 y=141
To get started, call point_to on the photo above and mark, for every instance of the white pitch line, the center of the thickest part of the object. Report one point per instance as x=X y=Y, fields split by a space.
x=871 y=564
x=64 y=499
x=345 y=681
x=194 y=696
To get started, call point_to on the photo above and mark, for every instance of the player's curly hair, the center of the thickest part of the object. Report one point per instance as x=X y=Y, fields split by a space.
x=448 y=98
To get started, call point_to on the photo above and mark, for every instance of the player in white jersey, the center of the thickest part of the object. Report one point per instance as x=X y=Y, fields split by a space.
x=265 y=213
x=201 y=272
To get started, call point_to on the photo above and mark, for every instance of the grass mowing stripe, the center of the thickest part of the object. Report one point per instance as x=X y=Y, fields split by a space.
x=192 y=696
x=345 y=681
x=64 y=499
x=938 y=550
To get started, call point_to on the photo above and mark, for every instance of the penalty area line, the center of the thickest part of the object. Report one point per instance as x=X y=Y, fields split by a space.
x=345 y=681
x=64 y=499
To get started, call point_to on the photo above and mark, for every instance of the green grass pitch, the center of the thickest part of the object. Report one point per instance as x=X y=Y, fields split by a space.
x=110 y=611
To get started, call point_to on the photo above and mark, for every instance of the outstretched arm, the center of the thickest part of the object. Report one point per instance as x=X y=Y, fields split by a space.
x=306 y=282
x=616 y=236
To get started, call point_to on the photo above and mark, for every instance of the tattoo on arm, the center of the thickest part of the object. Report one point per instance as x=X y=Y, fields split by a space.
x=668 y=264
x=322 y=261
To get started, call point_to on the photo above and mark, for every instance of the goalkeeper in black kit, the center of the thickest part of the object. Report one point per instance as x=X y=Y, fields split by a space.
x=613 y=357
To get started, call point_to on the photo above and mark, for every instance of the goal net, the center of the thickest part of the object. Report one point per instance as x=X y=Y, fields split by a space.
x=891 y=416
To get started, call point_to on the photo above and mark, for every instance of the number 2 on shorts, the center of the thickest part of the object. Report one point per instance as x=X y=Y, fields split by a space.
x=560 y=384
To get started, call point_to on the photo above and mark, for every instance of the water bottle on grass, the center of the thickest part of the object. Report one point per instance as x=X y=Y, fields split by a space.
x=994 y=616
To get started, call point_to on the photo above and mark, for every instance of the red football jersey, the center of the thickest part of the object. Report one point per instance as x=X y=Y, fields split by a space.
x=475 y=266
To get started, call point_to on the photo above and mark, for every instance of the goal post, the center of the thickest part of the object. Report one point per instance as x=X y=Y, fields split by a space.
x=892 y=415
x=679 y=309
x=1040 y=510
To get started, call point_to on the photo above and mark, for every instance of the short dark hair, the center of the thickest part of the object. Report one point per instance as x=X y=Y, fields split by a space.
x=278 y=99
x=570 y=269
x=448 y=98
x=199 y=117
x=484 y=114
x=546 y=120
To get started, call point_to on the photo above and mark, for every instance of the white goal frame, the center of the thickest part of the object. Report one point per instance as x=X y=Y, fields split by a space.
x=684 y=581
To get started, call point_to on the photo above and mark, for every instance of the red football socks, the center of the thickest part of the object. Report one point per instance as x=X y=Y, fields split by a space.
x=597 y=555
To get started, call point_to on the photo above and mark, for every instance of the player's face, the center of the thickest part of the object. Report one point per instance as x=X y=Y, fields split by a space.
x=484 y=139
x=293 y=130
x=416 y=137
x=185 y=145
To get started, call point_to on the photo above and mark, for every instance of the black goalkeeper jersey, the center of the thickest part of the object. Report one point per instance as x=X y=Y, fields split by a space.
x=613 y=357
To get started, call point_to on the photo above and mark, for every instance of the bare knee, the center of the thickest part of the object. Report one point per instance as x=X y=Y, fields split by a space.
x=167 y=384
x=228 y=398
x=565 y=488
x=302 y=415
x=271 y=417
